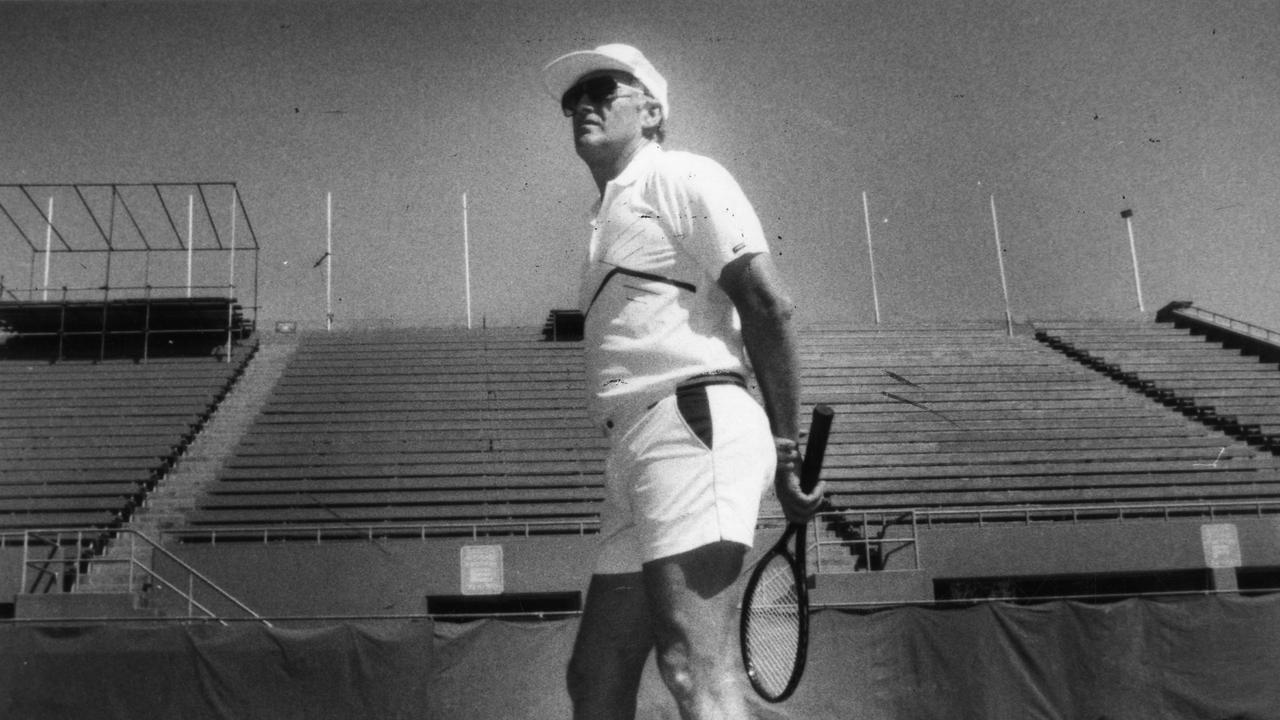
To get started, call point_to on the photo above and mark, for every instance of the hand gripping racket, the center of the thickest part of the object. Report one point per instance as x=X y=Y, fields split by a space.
x=774 y=629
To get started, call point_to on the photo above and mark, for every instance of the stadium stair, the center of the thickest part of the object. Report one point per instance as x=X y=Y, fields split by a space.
x=83 y=445
x=177 y=492
x=1201 y=378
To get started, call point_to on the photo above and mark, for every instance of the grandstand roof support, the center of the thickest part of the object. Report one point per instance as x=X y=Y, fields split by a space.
x=86 y=226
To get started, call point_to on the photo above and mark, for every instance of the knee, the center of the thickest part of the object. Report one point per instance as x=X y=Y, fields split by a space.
x=688 y=674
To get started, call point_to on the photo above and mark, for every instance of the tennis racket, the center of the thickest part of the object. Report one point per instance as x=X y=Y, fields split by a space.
x=774 y=629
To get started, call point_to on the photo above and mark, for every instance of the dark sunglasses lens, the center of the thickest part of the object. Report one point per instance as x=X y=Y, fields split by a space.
x=597 y=91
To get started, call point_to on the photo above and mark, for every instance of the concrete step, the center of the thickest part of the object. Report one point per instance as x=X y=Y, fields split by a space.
x=178 y=491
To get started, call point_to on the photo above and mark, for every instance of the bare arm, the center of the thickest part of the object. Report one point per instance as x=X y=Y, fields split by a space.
x=755 y=286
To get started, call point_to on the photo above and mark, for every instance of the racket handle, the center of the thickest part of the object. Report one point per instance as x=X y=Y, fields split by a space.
x=816 y=448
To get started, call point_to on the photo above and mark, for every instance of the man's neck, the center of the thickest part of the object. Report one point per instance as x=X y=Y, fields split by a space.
x=611 y=166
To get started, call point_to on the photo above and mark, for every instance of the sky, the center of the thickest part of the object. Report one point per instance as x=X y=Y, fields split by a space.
x=1059 y=113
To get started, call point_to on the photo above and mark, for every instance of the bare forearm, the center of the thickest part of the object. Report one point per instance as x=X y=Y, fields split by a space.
x=765 y=306
x=770 y=341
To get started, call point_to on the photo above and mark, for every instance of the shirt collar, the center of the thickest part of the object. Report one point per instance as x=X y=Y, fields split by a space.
x=634 y=170
x=639 y=163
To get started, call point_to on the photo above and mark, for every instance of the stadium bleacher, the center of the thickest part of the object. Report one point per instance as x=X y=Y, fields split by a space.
x=83 y=443
x=1084 y=460
x=1218 y=385
x=417 y=427
x=976 y=419
x=457 y=435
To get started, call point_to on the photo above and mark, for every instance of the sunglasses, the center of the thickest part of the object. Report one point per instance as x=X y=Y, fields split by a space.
x=598 y=90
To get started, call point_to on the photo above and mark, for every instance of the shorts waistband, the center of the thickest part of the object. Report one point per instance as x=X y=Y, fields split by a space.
x=713 y=378
x=624 y=417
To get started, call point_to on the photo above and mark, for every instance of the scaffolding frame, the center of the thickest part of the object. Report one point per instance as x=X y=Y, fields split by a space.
x=106 y=225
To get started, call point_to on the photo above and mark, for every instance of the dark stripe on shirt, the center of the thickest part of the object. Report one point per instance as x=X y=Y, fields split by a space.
x=637 y=274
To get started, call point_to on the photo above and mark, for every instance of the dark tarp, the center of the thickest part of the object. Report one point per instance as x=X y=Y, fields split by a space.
x=1212 y=658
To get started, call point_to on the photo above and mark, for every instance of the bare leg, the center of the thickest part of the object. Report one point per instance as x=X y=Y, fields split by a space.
x=613 y=644
x=693 y=604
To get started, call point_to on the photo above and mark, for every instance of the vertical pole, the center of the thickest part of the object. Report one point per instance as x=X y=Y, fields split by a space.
x=48 y=247
x=26 y=558
x=871 y=253
x=231 y=272
x=1133 y=252
x=328 y=259
x=106 y=287
x=231 y=277
x=106 y=303
x=191 y=220
x=1004 y=284
x=133 y=559
x=146 y=336
x=466 y=256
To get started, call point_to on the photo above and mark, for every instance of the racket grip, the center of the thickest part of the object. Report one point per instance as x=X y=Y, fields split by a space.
x=816 y=448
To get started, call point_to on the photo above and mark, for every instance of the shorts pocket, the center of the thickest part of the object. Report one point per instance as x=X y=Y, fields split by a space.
x=695 y=409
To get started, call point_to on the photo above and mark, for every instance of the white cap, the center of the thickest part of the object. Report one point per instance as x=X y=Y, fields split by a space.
x=564 y=72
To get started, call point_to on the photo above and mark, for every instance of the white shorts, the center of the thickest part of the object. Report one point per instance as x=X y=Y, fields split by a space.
x=687 y=472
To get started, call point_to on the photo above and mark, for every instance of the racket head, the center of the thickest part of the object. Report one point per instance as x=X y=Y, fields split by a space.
x=774 y=625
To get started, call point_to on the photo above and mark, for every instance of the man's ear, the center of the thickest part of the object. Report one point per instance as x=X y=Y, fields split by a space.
x=652 y=116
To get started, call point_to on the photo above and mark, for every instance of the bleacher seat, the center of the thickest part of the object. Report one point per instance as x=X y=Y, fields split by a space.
x=1174 y=365
x=445 y=427
x=82 y=443
x=412 y=428
x=972 y=420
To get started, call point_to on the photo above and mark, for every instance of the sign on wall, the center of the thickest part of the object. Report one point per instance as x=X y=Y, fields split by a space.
x=1221 y=545
x=482 y=570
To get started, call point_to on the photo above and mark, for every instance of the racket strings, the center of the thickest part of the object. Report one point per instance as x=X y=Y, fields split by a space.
x=773 y=627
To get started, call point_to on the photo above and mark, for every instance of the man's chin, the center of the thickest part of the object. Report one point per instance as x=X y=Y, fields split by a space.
x=590 y=144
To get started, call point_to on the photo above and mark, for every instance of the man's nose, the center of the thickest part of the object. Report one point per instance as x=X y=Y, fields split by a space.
x=581 y=105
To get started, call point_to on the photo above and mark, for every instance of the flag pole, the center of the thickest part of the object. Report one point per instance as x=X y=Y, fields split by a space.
x=328 y=258
x=1004 y=284
x=466 y=256
x=871 y=253
x=1133 y=252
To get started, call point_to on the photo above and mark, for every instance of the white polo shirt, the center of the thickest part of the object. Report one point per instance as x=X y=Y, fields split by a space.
x=654 y=311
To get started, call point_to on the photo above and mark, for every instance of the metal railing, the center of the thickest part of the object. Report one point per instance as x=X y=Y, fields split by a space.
x=320 y=533
x=68 y=574
x=1229 y=323
x=1099 y=512
x=873 y=542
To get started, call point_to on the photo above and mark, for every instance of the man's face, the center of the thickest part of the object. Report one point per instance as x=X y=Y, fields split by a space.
x=608 y=120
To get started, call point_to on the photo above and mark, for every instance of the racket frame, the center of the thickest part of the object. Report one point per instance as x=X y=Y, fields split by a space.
x=796 y=561
x=815 y=451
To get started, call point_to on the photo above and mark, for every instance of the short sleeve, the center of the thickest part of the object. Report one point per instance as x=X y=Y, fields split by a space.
x=707 y=213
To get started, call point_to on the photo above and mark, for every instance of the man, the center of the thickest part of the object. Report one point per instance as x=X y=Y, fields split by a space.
x=679 y=290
